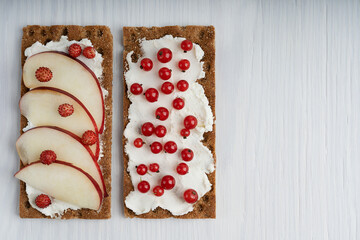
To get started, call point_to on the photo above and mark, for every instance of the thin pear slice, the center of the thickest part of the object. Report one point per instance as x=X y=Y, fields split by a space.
x=70 y=75
x=66 y=145
x=64 y=182
x=40 y=107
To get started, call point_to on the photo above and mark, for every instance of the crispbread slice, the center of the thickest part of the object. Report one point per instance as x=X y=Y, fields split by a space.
x=205 y=37
x=102 y=39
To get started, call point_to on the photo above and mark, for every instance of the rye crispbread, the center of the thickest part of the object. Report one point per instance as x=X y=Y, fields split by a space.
x=205 y=37
x=102 y=39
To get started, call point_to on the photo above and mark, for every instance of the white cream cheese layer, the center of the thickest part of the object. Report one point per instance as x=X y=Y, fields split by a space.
x=57 y=208
x=141 y=111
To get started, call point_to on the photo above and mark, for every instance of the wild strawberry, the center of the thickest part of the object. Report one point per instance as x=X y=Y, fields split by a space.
x=42 y=201
x=65 y=110
x=89 y=138
x=89 y=52
x=43 y=74
x=74 y=50
x=47 y=157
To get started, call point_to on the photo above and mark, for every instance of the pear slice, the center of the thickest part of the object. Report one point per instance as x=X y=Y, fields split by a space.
x=40 y=107
x=71 y=75
x=64 y=182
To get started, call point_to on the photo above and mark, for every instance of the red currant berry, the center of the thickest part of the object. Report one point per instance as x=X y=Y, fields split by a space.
x=160 y=131
x=187 y=154
x=138 y=142
x=158 y=191
x=185 y=132
x=167 y=87
x=146 y=64
x=141 y=169
x=168 y=182
x=136 y=89
x=190 y=122
x=165 y=73
x=161 y=113
x=178 y=103
x=147 y=129
x=47 y=157
x=143 y=186
x=186 y=45
x=152 y=95
x=191 y=196
x=154 y=167
x=156 y=147
x=182 y=168
x=184 y=64
x=170 y=147
x=182 y=85
x=164 y=55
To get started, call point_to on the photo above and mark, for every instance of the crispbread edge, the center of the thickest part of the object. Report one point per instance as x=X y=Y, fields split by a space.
x=205 y=37
x=102 y=39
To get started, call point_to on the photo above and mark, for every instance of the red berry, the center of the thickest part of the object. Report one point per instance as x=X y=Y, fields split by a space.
x=186 y=45
x=156 y=147
x=182 y=168
x=182 y=85
x=154 y=167
x=178 y=103
x=143 y=186
x=136 y=89
x=43 y=74
x=190 y=122
x=89 y=138
x=185 y=132
x=152 y=95
x=147 y=129
x=165 y=73
x=141 y=169
x=187 y=154
x=164 y=55
x=42 y=201
x=47 y=157
x=160 y=131
x=170 y=147
x=167 y=87
x=89 y=52
x=74 y=50
x=138 y=142
x=184 y=64
x=146 y=64
x=65 y=110
x=168 y=182
x=161 y=113
x=158 y=191
x=191 y=196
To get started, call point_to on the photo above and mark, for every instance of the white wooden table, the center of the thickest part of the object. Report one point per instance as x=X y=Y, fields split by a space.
x=288 y=127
